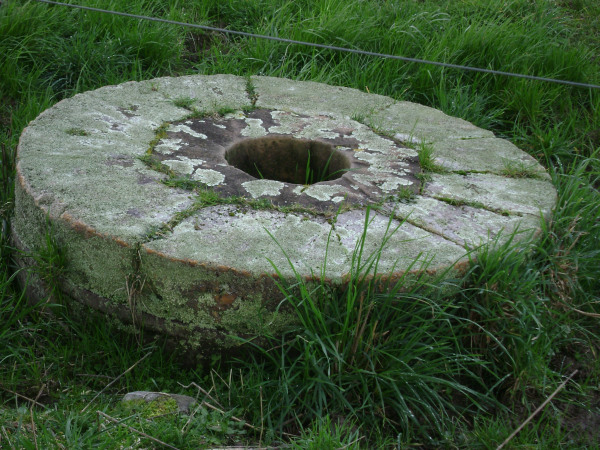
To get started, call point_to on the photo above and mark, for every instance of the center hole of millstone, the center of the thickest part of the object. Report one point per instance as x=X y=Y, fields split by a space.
x=282 y=158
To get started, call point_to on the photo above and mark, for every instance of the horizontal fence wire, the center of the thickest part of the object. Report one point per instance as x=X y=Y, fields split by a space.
x=329 y=47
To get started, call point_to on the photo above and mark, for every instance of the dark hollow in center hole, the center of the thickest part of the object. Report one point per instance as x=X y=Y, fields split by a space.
x=287 y=159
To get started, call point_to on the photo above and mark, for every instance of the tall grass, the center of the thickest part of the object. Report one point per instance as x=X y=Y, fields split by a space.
x=375 y=353
x=453 y=362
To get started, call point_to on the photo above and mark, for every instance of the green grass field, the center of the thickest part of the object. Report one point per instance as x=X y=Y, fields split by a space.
x=461 y=363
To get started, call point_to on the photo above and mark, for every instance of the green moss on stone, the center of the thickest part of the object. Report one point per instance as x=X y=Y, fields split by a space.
x=159 y=134
x=251 y=317
x=77 y=132
x=159 y=406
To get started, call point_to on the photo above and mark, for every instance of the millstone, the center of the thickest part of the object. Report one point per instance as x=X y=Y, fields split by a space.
x=178 y=202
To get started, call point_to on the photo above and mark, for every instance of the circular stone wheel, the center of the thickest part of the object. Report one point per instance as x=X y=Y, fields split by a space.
x=177 y=202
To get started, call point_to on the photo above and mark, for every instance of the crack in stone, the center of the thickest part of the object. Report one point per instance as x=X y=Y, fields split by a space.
x=400 y=218
x=251 y=92
x=476 y=205
x=490 y=172
x=454 y=203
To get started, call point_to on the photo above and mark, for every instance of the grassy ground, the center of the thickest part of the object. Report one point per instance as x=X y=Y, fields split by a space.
x=461 y=363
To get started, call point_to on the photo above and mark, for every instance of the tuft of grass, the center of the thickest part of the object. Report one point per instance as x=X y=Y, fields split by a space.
x=375 y=352
x=518 y=169
x=159 y=134
x=327 y=433
x=427 y=160
x=405 y=195
x=460 y=202
x=201 y=114
x=152 y=162
x=50 y=263
x=314 y=175
x=181 y=182
x=251 y=91
x=184 y=102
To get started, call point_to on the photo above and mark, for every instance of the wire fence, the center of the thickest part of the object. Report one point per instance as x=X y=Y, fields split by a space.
x=329 y=47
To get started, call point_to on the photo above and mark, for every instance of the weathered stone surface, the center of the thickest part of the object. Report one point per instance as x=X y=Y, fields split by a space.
x=316 y=98
x=466 y=226
x=492 y=155
x=496 y=193
x=184 y=402
x=256 y=241
x=83 y=152
x=410 y=121
x=260 y=154
x=197 y=259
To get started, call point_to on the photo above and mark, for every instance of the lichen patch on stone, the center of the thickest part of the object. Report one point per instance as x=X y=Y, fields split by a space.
x=186 y=129
x=185 y=167
x=260 y=188
x=208 y=177
x=254 y=128
x=321 y=192
x=168 y=146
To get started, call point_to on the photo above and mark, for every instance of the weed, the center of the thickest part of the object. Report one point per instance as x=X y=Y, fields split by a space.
x=182 y=182
x=201 y=114
x=249 y=108
x=461 y=202
x=159 y=134
x=472 y=204
x=405 y=195
x=154 y=163
x=314 y=175
x=359 y=117
x=423 y=177
x=260 y=175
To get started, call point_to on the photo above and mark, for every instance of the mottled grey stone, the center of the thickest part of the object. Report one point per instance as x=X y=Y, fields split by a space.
x=145 y=253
